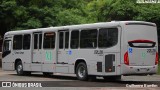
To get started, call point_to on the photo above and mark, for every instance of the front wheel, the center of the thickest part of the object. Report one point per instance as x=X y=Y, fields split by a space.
x=81 y=71
x=19 y=68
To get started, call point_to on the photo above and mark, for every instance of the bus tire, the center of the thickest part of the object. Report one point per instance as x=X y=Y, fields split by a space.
x=19 y=68
x=112 y=78
x=81 y=71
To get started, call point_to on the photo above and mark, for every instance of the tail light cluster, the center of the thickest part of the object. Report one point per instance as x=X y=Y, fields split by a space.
x=126 y=58
x=156 y=59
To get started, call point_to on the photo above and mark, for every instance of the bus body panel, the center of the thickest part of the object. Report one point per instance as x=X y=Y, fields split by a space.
x=100 y=61
x=137 y=44
x=95 y=57
x=9 y=62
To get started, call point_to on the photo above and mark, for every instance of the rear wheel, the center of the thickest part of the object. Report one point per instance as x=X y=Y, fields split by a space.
x=81 y=71
x=19 y=68
x=112 y=78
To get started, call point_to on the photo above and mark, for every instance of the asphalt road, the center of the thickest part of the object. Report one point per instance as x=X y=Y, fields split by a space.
x=64 y=81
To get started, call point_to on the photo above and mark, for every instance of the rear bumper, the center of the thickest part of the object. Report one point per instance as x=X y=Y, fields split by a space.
x=138 y=70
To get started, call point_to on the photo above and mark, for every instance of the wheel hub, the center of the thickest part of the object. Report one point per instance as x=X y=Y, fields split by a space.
x=19 y=68
x=81 y=71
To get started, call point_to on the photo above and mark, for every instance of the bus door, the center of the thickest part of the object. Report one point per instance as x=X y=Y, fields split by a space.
x=63 y=47
x=63 y=51
x=37 y=43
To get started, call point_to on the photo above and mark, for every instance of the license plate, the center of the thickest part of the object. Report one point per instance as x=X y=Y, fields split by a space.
x=143 y=69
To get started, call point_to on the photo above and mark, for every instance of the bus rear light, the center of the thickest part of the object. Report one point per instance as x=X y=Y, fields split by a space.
x=156 y=59
x=141 y=41
x=126 y=59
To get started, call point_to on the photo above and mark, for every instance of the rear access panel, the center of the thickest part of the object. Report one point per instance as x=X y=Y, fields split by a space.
x=99 y=66
x=109 y=63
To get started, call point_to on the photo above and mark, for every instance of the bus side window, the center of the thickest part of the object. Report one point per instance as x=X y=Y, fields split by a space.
x=66 y=40
x=107 y=37
x=61 y=40
x=26 y=41
x=75 y=39
x=49 y=40
x=40 y=41
x=88 y=38
x=17 y=42
x=35 y=41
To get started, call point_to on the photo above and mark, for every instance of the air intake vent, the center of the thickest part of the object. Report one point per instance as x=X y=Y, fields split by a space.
x=109 y=60
x=99 y=66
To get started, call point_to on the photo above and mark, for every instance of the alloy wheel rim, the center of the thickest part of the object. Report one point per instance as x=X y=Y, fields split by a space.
x=81 y=71
x=19 y=68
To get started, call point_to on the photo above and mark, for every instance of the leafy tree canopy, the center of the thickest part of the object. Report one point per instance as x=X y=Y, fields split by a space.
x=27 y=14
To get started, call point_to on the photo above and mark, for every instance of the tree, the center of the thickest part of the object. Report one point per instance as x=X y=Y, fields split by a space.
x=27 y=14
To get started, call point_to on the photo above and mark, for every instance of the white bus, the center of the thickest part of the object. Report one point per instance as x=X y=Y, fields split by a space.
x=107 y=49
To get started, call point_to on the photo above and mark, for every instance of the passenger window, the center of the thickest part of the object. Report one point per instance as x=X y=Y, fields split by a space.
x=35 y=41
x=40 y=41
x=26 y=41
x=75 y=39
x=66 y=39
x=88 y=38
x=49 y=40
x=61 y=40
x=107 y=37
x=17 y=42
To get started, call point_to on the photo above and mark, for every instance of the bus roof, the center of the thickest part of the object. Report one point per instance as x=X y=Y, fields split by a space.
x=82 y=26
